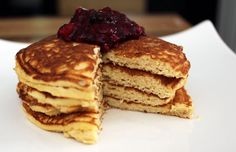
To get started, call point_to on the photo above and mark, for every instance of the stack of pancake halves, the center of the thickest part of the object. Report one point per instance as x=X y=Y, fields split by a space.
x=65 y=86
x=60 y=87
x=147 y=75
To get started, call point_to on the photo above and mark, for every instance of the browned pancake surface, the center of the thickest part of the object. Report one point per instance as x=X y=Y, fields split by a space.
x=61 y=119
x=157 y=49
x=53 y=59
x=23 y=90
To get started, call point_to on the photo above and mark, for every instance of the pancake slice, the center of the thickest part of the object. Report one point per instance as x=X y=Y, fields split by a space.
x=132 y=94
x=60 y=87
x=50 y=110
x=51 y=105
x=151 y=54
x=162 y=86
x=63 y=69
x=83 y=126
x=67 y=92
x=180 y=106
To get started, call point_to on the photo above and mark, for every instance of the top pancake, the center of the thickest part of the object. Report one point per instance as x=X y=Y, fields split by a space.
x=151 y=54
x=55 y=62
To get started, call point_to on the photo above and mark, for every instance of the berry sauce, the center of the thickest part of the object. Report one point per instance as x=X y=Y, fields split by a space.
x=105 y=27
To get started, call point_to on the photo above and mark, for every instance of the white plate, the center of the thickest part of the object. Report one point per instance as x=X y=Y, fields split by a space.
x=211 y=84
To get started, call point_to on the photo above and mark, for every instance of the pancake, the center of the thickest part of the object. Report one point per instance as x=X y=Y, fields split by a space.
x=46 y=109
x=63 y=69
x=83 y=126
x=51 y=105
x=132 y=94
x=38 y=107
x=162 y=86
x=180 y=106
x=49 y=109
x=151 y=54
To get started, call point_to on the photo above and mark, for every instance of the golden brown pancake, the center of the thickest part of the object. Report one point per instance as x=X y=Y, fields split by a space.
x=82 y=126
x=151 y=54
x=51 y=105
x=64 y=69
x=60 y=87
x=180 y=106
x=162 y=86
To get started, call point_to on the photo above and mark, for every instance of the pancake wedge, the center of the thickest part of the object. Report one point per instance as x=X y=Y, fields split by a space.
x=63 y=69
x=162 y=86
x=81 y=126
x=151 y=54
x=180 y=106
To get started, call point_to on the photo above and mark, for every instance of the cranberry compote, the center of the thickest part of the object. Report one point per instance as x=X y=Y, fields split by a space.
x=104 y=27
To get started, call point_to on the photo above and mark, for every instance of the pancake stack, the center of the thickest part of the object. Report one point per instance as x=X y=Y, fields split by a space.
x=64 y=85
x=147 y=75
x=60 y=87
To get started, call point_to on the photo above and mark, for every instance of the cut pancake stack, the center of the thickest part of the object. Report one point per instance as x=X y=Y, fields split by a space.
x=63 y=85
x=147 y=75
x=60 y=87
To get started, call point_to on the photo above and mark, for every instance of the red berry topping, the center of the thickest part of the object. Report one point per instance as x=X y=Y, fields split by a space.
x=104 y=27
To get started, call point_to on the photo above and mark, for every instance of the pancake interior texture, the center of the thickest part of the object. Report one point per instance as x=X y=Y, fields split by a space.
x=180 y=106
x=162 y=86
x=151 y=54
x=132 y=94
